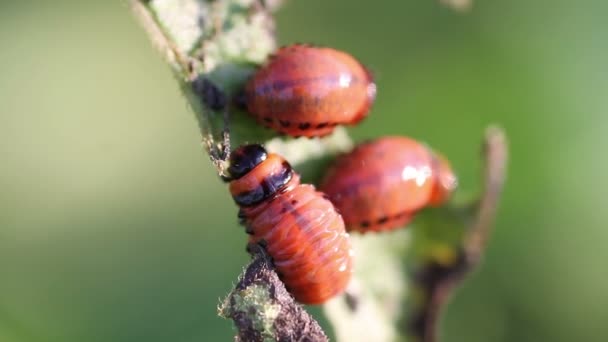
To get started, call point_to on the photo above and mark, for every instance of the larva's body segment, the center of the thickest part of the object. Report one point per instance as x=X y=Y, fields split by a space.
x=381 y=184
x=308 y=91
x=298 y=227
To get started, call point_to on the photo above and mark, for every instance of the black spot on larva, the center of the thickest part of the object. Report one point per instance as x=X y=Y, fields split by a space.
x=322 y=125
x=284 y=123
x=249 y=230
x=283 y=210
x=294 y=202
x=267 y=119
x=382 y=220
x=365 y=224
x=263 y=243
x=304 y=125
x=242 y=217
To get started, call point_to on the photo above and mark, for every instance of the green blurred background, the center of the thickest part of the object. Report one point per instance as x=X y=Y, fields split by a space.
x=113 y=226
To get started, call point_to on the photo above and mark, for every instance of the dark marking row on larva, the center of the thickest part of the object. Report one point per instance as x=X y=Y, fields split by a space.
x=266 y=189
x=383 y=220
x=303 y=125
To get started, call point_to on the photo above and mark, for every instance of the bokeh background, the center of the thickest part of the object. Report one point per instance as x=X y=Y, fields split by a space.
x=113 y=226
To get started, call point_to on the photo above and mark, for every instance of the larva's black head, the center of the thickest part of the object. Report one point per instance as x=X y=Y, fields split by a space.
x=244 y=159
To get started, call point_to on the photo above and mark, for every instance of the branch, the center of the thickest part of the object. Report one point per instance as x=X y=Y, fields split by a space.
x=262 y=309
x=495 y=154
x=435 y=278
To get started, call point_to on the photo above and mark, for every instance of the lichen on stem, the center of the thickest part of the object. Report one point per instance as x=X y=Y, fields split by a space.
x=263 y=310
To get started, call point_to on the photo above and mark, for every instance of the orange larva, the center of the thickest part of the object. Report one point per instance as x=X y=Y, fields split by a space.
x=307 y=91
x=381 y=184
x=297 y=225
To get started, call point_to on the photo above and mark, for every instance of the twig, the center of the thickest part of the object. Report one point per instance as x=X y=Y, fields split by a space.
x=495 y=155
x=438 y=281
x=262 y=309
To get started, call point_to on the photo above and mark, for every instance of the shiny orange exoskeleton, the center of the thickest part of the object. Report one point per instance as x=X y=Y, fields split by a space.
x=381 y=184
x=307 y=91
x=298 y=227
